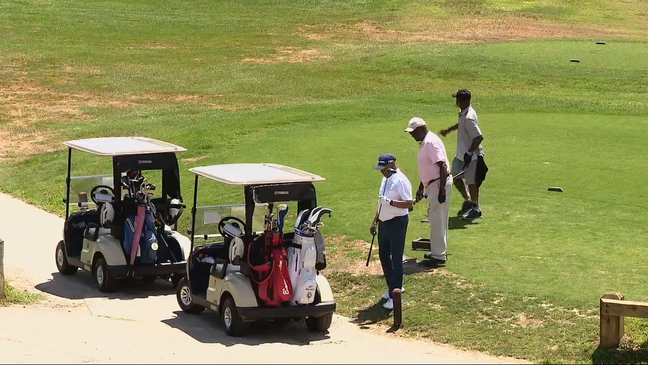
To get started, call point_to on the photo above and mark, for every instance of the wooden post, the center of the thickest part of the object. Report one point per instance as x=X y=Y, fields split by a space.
x=398 y=308
x=611 y=326
x=2 y=291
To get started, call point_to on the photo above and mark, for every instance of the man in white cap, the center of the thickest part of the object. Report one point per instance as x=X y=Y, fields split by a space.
x=436 y=183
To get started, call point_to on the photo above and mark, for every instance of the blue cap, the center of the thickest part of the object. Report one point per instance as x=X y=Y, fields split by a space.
x=384 y=160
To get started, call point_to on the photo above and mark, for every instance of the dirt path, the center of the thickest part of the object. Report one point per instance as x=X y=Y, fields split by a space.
x=143 y=323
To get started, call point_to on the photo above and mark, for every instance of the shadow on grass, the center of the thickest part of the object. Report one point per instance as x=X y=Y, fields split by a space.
x=458 y=223
x=412 y=266
x=621 y=356
x=371 y=315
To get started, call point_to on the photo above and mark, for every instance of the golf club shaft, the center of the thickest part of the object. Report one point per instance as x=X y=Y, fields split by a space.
x=379 y=209
x=370 y=249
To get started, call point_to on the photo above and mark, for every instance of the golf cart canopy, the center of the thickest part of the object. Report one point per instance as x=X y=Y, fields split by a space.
x=131 y=154
x=120 y=146
x=263 y=183
x=249 y=174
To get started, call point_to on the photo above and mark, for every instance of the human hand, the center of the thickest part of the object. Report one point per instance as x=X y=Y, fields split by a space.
x=419 y=195
x=444 y=132
x=467 y=158
x=372 y=230
x=385 y=200
x=442 y=195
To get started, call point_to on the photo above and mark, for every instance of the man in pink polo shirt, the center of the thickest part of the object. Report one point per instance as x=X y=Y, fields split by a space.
x=436 y=183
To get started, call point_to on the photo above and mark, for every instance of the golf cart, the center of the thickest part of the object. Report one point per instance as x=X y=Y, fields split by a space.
x=123 y=231
x=251 y=270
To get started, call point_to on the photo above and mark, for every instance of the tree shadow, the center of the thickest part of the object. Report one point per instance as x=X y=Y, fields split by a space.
x=83 y=286
x=621 y=356
x=207 y=328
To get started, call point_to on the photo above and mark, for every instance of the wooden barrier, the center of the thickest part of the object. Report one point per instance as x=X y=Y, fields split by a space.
x=613 y=310
x=2 y=292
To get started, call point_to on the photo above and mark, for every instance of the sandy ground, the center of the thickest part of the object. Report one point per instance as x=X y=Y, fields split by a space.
x=143 y=323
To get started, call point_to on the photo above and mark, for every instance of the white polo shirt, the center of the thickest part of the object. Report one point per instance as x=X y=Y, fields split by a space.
x=468 y=130
x=398 y=188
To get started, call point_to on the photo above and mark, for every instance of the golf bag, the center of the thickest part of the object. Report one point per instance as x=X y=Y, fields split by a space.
x=271 y=276
x=147 y=250
x=302 y=259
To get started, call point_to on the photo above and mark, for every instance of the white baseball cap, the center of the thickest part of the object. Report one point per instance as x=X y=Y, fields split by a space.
x=415 y=123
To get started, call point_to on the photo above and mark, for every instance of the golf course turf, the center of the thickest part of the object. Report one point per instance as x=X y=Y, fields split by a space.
x=326 y=86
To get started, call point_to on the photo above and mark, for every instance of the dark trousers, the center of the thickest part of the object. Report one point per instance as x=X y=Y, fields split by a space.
x=391 y=244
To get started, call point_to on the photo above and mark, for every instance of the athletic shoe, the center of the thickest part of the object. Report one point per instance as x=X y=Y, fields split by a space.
x=386 y=295
x=465 y=208
x=473 y=214
x=389 y=304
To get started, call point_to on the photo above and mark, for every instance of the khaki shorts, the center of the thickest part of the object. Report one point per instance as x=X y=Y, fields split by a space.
x=469 y=175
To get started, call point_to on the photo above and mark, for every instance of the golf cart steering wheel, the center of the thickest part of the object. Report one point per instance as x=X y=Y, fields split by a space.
x=224 y=220
x=92 y=192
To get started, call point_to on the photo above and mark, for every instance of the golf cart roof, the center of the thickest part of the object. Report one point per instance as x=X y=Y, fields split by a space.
x=247 y=174
x=121 y=146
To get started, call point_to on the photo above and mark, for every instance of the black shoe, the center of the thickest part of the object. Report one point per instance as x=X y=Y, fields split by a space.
x=473 y=214
x=465 y=208
x=433 y=260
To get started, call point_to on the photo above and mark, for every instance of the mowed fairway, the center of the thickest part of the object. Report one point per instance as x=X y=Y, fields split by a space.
x=326 y=86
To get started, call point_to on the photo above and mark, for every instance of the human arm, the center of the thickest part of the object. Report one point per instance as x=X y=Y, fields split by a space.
x=445 y=132
x=405 y=196
x=443 y=174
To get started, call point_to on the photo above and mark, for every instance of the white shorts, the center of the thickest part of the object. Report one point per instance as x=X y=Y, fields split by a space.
x=469 y=175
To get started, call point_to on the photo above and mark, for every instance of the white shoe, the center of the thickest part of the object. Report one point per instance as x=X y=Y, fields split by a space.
x=389 y=304
x=386 y=295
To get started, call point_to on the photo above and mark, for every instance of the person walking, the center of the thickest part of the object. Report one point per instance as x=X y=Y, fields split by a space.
x=391 y=219
x=469 y=156
x=435 y=183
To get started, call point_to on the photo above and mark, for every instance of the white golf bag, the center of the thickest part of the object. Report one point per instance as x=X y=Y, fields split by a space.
x=302 y=256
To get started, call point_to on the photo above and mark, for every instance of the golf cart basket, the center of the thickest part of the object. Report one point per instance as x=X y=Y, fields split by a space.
x=133 y=154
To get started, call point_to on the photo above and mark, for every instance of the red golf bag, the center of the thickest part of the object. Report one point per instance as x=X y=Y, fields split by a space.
x=272 y=275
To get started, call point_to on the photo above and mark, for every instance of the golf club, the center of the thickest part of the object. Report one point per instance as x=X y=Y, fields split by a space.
x=391 y=171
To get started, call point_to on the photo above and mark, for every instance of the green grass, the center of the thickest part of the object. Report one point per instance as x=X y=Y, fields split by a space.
x=547 y=122
x=15 y=296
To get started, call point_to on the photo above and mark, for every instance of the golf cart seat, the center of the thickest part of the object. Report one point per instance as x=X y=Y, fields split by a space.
x=75 y=228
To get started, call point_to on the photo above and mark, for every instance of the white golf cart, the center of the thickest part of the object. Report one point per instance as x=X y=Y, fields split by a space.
x=96 y=236
x=251 y=270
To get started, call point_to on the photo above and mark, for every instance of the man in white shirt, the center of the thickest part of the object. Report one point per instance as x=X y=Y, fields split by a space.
x=392 y=217
x=469 y=156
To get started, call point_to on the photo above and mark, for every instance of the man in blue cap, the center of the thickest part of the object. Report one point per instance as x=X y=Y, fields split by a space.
x=395 y=202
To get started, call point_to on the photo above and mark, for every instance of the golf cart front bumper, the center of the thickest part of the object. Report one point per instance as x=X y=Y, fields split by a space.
x=258 y=314
x=122 y=271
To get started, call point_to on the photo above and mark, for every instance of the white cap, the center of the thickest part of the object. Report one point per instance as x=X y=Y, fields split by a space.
x=414 y=123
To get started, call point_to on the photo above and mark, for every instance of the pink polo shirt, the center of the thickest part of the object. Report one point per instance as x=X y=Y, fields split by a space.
x=431 y=151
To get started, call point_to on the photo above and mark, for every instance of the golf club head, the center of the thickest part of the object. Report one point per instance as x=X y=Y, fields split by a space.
x=314 y=220
x=283 y=210
x=300 y=218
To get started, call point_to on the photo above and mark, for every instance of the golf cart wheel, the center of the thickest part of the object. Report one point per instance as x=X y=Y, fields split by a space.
x=175 y=279
x=183 y=295
x=104 y=279
x=319 y=324
x=234 y=325
x=61 y=261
